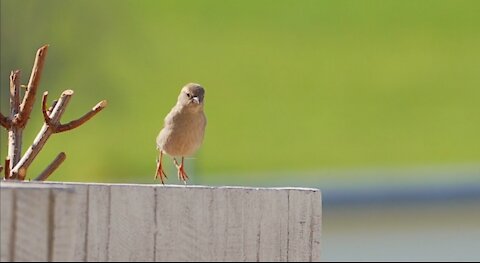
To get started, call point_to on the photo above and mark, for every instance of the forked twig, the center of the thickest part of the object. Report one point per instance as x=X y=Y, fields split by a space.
x=52 y=125
x=45 y=132
x=57 y=127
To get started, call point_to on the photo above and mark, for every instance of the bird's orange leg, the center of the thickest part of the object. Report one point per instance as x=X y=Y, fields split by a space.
x=160 y=172
x=182 y=175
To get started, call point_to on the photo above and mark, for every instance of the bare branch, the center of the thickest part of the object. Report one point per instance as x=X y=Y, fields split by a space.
x=16 y=165
x=14 y=93
x=52 y=167
x=29 y=98
x=5 y=122
x=15 y=131
x=42 y=135
x=75 y=123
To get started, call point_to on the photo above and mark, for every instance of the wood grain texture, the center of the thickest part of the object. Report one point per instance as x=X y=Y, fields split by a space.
x=7 y=199
x=173 y=221
x=316 y=225
x=229 y=224
x=39 y=222
x=98 y=221
x=131 y=223
x=65 y=216
x=33 y=219
x=80 y=232
x=165 y=223
x=303 y=226
x=273 y=226
x=92 y=226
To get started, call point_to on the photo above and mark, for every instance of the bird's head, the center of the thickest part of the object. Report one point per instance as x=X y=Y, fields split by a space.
x=192 y=96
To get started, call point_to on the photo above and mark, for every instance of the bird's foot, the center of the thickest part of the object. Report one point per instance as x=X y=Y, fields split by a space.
x=160 y=172
x=182 y=175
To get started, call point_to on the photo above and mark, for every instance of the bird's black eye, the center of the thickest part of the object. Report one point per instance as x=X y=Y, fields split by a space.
x=189 y=95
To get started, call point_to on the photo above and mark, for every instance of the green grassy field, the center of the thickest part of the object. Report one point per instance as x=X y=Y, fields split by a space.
x=290 y=85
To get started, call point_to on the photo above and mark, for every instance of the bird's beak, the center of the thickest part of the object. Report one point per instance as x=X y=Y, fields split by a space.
x=196 y=100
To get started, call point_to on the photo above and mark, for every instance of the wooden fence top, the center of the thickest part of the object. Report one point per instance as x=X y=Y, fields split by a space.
x=151 y=222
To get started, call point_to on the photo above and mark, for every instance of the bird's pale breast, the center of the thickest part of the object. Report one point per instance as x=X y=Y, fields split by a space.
x=183 y=133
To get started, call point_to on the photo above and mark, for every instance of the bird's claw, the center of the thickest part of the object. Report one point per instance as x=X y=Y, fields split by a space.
x=160 y=172
x=182 y=175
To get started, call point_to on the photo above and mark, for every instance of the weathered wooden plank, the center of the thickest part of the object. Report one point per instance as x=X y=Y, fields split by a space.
x=92 y=226
x=252 y=215
x=65 y=217
x=98 y=223
x=273 y=225
x=80 y=232
x=132 y=227
x=7 y=199
x=33 y=225
x=41 y=221
x=234 y=231
x=221 y=224
x=161 y=223
x=316 y=226
x=301 y=225
x=198 y=218
x=166 y=211
x=176 y=219
x=218 y=224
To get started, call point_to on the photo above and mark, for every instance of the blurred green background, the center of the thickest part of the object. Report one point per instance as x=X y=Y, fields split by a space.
x=294 y=86
x=377 y=103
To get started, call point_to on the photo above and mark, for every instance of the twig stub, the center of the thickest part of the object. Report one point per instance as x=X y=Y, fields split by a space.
x=7 y=168
x=52 y=167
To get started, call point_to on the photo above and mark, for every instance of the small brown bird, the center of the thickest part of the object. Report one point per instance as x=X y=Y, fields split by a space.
x=183 y=130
